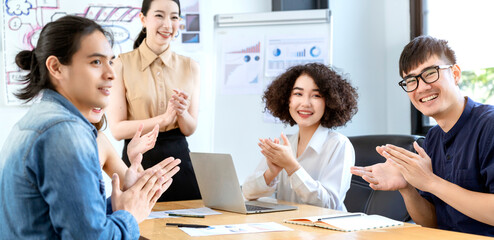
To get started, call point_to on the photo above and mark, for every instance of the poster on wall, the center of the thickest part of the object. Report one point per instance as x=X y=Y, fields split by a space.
x=283 y=52
x=242 y=65
x=190 y=27
x=24 y=19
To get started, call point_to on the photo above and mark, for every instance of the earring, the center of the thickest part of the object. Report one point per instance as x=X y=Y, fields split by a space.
x=143 y=30
x=178 y=33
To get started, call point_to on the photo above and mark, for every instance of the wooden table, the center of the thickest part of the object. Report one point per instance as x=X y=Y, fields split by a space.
x=157 y=229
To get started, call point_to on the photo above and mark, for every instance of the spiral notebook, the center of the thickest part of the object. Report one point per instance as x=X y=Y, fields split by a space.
x=347 y=222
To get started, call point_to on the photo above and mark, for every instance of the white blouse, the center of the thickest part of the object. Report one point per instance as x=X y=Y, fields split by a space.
x=323 y=178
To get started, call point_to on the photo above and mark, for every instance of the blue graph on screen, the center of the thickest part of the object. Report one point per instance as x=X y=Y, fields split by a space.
x=315 y=51
x=276 y=52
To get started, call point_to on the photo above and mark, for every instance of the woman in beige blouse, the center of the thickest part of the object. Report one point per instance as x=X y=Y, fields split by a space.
x=154 y=85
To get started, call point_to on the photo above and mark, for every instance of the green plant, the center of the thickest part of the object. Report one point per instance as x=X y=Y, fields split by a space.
x=479 y=84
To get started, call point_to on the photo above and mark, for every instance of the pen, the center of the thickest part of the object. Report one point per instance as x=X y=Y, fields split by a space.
x=186 y=225
x=340 y=216
x=185 y=215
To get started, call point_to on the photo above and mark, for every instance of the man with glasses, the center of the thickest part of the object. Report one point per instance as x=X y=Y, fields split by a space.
x=449 y=183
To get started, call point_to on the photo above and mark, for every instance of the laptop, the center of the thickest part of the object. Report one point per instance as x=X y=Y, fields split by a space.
x=219 y=187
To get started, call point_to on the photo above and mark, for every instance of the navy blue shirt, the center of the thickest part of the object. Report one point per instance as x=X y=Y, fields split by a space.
x=465 y=157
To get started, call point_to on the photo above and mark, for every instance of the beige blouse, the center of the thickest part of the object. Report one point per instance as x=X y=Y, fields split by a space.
x=149 y=80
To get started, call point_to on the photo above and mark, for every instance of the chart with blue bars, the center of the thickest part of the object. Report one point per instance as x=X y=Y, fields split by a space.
x=283 y=53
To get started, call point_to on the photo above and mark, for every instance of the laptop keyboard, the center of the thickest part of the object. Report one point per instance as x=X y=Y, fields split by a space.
x=255 y=208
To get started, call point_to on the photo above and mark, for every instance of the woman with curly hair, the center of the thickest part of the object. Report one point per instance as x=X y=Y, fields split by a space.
x=313 y=165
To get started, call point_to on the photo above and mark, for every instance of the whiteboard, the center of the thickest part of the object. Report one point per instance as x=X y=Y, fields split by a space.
x=22 y=21
x=240 y=39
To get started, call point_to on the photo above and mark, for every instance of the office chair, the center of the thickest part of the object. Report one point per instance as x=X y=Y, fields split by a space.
x=360 y=197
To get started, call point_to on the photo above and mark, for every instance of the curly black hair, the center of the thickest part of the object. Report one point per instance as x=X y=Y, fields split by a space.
x=340 y=97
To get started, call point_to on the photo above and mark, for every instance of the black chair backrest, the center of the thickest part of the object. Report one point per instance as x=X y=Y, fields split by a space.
x=360 y=197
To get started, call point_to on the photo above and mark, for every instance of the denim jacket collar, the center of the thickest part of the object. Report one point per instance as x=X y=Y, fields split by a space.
x=53 y=96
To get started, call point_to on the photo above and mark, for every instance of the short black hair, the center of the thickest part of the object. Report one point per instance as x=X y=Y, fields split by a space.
x=420 y=49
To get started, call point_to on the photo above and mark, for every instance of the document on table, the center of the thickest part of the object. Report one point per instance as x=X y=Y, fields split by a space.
x=236 y=229
x=192 y=211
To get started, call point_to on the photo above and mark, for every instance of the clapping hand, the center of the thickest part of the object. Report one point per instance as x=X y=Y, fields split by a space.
x=140 y=197
x=401 y=168
x=180 y=102
x=416 y=169
x=275 y=169
x=280 y=155
x=382 y=176
x=141 y=144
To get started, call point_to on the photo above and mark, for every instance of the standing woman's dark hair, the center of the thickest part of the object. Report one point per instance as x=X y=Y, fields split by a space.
x=101 y=125
x=61 y=39
x=146 y=4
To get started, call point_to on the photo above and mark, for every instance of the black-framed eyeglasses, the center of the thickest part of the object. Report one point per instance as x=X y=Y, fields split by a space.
x=429 y=75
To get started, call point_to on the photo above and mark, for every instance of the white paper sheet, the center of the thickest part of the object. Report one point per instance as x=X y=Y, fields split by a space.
x=194 y=211
x=236 y=229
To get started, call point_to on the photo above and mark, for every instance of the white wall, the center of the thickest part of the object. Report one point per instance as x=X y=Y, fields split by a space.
x=202 y=139
x=368 y=38
x=397 y=22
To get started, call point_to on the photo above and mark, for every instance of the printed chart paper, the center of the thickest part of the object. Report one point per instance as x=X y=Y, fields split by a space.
x=242 y=65
x=283 y=52
x=236 y=229
x=193 y=211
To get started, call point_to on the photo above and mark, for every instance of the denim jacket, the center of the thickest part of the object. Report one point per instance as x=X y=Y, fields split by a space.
x=51 y=185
